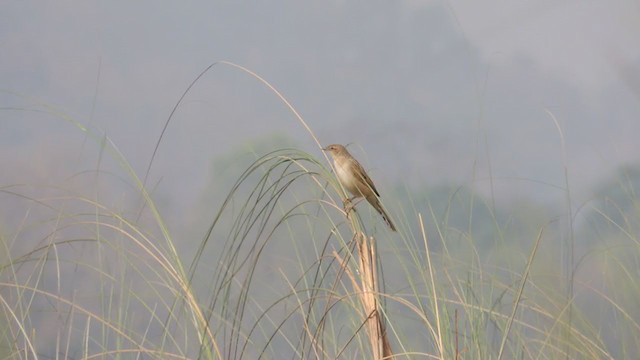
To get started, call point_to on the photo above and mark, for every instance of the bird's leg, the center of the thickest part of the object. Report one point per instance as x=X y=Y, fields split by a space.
x=349 y=204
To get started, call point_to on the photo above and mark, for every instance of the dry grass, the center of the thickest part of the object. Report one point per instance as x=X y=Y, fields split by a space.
x=282 y=271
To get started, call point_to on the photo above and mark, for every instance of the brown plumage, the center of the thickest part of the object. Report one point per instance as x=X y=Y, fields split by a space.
x=353 y=178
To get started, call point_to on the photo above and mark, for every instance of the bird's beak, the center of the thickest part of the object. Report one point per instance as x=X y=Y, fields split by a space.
x=325 y=149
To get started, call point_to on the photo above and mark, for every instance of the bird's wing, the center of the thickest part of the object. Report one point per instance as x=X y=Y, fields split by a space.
x=363 y=174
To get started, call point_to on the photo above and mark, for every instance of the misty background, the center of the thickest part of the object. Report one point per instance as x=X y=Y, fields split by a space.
x=417 y=86
x=517 y=102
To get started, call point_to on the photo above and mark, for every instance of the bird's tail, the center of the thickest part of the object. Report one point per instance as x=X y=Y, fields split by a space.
x=375 y=202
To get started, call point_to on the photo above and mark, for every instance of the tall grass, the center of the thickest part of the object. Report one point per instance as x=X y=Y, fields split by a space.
x=281 y=271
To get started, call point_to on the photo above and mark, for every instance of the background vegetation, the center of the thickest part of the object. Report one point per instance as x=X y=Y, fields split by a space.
x=99 y=273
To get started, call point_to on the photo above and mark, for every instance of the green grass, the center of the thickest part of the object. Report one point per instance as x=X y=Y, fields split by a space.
x=271 y=275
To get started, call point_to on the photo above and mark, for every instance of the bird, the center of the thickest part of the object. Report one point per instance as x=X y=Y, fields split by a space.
x=354 y=178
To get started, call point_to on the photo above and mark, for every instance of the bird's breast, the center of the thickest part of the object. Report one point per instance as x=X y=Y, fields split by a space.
x=346 y=176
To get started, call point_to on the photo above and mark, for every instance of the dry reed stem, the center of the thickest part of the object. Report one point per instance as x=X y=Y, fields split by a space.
x=367 y=289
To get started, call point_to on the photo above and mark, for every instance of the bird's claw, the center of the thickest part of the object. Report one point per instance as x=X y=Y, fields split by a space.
x=348 y=206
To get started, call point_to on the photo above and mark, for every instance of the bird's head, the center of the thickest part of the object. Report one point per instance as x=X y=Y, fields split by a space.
x=335 y=149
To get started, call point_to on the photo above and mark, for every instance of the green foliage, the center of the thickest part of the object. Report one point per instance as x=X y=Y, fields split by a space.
x=85 y=276
x=264 y=282
x=615 y=207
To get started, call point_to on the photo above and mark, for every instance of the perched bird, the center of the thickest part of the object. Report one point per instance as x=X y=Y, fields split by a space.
x=353 y=178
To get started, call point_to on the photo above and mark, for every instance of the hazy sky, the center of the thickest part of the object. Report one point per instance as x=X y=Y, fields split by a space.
x=458 y=86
